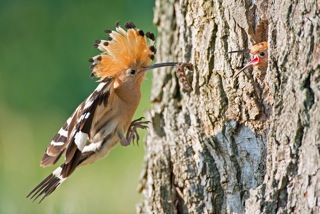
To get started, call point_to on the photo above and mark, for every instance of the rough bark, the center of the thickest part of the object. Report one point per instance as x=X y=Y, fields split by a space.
x=234 y=145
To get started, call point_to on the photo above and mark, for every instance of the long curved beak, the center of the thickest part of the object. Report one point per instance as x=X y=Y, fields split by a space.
x=253 y=62
x=240 y=51
x=158 y=65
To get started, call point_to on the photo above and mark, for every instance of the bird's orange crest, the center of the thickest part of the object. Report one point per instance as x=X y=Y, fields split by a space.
x=124 y=49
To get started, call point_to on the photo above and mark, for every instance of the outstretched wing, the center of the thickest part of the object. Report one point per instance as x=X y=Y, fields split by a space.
x=71 y=138
x=73 y=135
x=59 y=142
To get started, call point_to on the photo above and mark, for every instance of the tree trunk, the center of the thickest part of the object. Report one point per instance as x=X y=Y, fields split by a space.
x=246 y=144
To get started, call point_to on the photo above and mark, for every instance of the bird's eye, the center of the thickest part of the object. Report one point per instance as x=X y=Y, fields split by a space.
x=132 y=72
x=262 y=54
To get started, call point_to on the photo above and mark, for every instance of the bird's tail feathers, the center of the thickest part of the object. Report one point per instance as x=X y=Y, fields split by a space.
x=48 y=185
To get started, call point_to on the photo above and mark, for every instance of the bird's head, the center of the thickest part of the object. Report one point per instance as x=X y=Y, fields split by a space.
x=125 y=55
x=260 y=55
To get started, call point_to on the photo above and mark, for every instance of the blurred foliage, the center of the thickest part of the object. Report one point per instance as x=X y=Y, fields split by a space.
x=44 y=68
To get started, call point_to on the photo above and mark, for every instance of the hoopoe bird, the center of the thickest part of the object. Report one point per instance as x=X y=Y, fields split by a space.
x=104 y=118
x=260 y=56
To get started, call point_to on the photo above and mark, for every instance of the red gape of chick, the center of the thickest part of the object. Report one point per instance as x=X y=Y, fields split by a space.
x=260 y=56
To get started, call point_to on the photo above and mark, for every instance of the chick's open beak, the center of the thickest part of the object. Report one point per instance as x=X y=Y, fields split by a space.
x=256 y=60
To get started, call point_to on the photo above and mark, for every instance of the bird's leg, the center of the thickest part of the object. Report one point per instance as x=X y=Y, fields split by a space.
x=132 y=134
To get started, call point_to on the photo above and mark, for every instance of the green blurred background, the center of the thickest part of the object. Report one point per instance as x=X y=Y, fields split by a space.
x=44 y=68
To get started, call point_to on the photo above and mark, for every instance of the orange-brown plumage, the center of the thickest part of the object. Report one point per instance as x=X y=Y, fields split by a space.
x=105 y=117
x=127 y=49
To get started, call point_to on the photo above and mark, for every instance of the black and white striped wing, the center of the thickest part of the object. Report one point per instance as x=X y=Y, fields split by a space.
x=59 y=142
x=82 y=130
x=74 y=133
x=71 y=138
